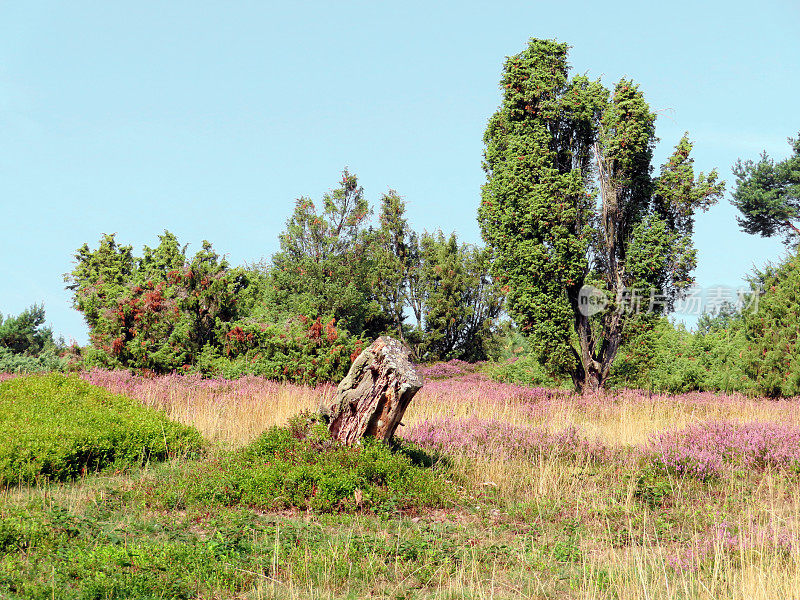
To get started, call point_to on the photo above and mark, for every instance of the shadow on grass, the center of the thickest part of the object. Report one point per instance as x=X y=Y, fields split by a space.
x=419 y=457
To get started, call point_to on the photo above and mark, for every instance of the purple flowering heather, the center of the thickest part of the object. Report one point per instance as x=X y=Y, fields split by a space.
x=725 y=538
x=708 y=449
x=446 y=370
x=476 y=437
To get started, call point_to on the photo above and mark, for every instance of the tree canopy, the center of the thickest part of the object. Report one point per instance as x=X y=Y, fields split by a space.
x=570 y=201
x=768 y=195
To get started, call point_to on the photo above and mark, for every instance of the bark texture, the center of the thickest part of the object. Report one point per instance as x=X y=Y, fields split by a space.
x=372 y=398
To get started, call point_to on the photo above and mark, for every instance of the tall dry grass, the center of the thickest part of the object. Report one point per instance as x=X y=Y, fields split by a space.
x=234 y=412
x=231 y=413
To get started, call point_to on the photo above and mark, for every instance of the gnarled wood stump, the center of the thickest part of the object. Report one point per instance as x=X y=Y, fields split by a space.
x=371 y=399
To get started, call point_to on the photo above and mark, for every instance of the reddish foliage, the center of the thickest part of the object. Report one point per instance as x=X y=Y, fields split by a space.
x=117 y=345
x=330 y=331
x=315 y=331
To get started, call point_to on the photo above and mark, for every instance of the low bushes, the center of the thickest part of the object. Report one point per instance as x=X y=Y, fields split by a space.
x=300 y=466
x=58 y=427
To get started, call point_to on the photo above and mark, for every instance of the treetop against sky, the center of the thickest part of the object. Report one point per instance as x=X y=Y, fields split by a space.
x=210 y=119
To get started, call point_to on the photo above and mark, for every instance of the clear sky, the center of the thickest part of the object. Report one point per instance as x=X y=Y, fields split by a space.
x=210 y=118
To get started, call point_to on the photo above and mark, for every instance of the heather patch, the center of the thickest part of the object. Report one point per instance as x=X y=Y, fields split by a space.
x=447 y=370
x=708 y=450
x=301 y=467
x=734 y=542
x=476 y=437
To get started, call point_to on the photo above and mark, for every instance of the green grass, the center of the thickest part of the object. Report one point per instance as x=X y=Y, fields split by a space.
x=59 y=427
x=95 y=539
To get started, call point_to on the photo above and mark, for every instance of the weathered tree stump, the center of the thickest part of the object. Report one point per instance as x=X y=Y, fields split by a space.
x=372 y=398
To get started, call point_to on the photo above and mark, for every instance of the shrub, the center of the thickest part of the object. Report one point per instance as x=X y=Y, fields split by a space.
x=58 y=427
x=301 y=466
x=772 y=332
x=525 y=370
x=21 y=363
x=296 y=349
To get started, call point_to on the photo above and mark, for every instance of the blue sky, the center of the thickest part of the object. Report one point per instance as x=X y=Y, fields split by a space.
x=210 y=118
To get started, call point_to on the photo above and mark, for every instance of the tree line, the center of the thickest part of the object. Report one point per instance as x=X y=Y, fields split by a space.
x=572 y=209
x=337 y=281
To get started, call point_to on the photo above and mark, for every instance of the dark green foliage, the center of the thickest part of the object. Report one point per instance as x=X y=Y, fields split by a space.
x=772 y=332
x=554 y=143
x=156 y=312
x=525 y=370
x=296 y=349
x=27 y=346
x=58 y=427
x=397 y=263
x=300 y=466
x=332 y=266
x=336 y=284
x=25 y=333
x=663 y=357
x=768 y=194
x=461 y=304
x=100 y=277
x=46 y=361
x=326 y=265
x=751 y=350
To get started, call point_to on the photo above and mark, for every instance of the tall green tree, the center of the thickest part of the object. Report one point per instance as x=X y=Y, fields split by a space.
x=396 y=256
x=461 y=304
x=326 y=263
x=768 y=195
x=570 y=201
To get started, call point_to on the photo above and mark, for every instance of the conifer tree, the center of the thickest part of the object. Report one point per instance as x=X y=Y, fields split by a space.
x=768 y=195
x=570 y=201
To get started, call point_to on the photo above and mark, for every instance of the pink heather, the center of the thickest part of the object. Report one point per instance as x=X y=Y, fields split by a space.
x=725 y=538
x=709 y=449
x=475 y=437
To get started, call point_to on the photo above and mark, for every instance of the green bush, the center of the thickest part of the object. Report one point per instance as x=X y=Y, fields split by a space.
x=525 y=370
x=294 y=348
x=47 y=361
x=300 y=466
x=772 y=331
x=58 y=427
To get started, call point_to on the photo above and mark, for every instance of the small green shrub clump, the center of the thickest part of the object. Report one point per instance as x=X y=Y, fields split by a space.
x=58 y=427
x=301 y=466
x=525 y=370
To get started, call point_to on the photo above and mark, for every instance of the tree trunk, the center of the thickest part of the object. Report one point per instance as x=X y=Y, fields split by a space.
x=372 y=398
x=591 y=382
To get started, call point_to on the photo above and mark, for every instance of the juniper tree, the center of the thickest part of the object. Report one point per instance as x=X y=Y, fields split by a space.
x=26 y=333
x=570 y=201
x=325 y=267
